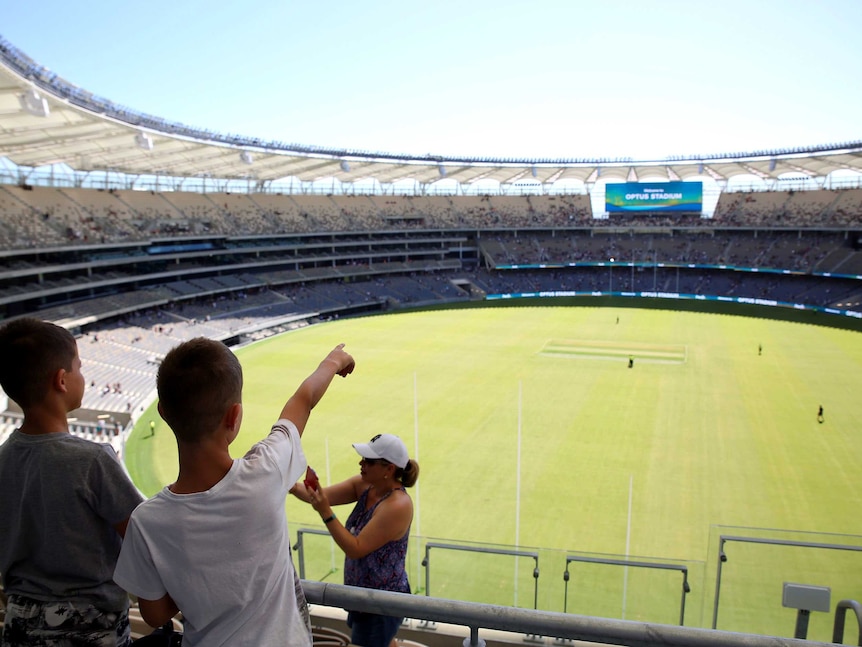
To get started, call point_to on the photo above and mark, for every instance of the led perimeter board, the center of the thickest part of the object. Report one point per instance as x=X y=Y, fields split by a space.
x=654 y=197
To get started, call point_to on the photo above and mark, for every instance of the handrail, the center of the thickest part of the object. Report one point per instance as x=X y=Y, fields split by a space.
x=840 y=613
x=299 y=546
x=477 y=616
x=722 y=558
x=686 y=587
x=483 y=549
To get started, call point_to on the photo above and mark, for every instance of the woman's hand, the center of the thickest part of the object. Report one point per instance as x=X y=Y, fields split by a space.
x=320 y=502
x=301 y=492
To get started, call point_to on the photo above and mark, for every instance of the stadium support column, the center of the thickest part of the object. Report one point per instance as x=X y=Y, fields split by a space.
x=611 y=275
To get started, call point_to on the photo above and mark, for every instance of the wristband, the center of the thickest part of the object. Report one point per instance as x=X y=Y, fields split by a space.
x=331 y=517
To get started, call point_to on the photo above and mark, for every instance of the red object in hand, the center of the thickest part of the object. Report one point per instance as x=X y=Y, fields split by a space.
x=311 y=481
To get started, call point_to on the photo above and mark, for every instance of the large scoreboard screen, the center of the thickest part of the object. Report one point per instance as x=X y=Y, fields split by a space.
x=654 y=197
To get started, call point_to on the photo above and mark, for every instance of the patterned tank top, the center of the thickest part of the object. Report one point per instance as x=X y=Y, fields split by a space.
x=382 y=569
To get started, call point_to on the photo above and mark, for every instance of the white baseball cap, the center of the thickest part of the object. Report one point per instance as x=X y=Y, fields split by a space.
x=385 y=446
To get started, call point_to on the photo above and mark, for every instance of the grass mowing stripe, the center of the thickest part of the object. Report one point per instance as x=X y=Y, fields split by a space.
x=592 y=349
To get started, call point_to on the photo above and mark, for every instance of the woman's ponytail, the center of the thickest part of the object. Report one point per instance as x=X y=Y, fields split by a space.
x=409 y=474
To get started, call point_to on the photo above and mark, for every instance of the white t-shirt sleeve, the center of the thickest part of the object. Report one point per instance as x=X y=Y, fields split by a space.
x=135 y=571
x=283 y=447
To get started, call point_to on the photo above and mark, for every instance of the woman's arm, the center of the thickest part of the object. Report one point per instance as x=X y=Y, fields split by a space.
x=390 y=521
x=347 y=491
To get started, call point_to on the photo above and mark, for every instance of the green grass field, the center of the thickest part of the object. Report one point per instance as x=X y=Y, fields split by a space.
x=648 y=462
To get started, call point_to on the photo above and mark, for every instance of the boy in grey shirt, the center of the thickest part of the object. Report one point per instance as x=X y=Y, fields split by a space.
x=64 y=502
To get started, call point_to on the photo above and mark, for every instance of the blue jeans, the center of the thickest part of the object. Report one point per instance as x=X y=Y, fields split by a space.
x=372 y=630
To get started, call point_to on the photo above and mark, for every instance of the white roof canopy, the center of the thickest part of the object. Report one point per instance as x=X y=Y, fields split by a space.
x=45 y=120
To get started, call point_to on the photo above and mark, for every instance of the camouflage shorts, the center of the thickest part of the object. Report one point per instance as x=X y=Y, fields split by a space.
x=35 y=623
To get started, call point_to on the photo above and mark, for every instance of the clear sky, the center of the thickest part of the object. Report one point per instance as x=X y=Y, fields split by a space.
x=564 y=78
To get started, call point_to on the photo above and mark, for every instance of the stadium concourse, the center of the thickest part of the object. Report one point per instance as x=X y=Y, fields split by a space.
x=137 y=233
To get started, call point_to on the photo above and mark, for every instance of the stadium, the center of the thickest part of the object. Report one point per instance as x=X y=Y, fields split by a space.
x=634 y=347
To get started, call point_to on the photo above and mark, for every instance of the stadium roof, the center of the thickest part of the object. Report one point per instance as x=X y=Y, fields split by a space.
x=46 y=120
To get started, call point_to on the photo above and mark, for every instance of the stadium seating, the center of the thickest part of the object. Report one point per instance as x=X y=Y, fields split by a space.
x=135 y=272
x=328 y=637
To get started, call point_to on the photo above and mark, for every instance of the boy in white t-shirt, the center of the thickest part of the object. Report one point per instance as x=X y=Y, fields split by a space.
x=214 y=544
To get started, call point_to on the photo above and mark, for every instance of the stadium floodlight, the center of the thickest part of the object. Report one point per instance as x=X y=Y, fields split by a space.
x=34 y=103
x=246 y=157
x=143 y=140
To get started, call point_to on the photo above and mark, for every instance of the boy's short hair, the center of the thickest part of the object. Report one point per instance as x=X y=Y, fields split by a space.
x=32 y=351
x=197 y=382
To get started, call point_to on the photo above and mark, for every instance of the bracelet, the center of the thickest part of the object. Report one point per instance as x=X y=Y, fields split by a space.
x=331 y=517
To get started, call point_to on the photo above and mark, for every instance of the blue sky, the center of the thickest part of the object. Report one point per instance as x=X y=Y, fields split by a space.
x=609 y=78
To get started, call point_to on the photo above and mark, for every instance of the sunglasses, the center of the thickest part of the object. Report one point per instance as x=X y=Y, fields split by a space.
x=374 y=461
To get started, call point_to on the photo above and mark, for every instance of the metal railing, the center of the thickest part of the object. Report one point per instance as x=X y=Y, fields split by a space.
x=563 y=626
x=489 y=551
x=686 y=588
x=722 y=558
x=299 y=547
x=840 y=615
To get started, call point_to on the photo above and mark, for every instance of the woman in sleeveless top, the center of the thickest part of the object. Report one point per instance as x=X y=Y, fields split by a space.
x=374 y=536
